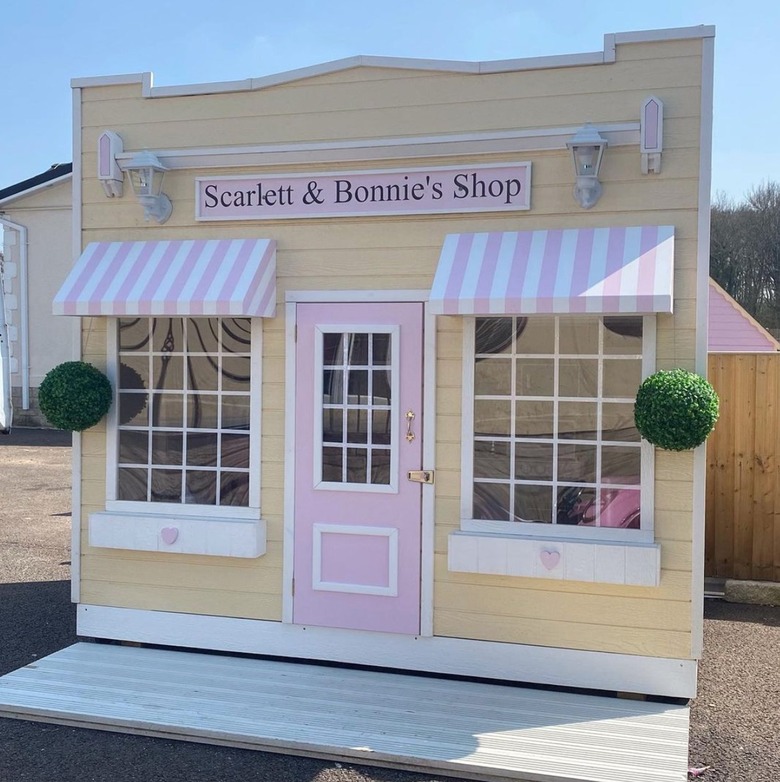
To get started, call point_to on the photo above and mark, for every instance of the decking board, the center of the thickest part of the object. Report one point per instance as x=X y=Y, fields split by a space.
x=462 y=728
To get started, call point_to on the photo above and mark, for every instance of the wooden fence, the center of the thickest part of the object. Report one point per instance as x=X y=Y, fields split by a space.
x=743 y=468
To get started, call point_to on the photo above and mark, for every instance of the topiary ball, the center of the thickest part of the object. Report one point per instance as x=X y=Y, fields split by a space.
x=676 y=409
x=74 y=396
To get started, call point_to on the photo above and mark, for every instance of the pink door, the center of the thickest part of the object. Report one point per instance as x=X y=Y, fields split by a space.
x=358 y=406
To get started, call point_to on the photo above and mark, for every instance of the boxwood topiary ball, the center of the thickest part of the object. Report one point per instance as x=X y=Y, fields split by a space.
x=74 y=396
x=676 y=409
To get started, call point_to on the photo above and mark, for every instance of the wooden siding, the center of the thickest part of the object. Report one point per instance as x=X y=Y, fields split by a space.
x=390 y=253
x=743 y=479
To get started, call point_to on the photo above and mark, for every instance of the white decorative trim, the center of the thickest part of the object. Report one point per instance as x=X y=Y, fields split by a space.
x=360 y=296
x=630 y=564
x=290 y=462
x=702 y=319
x=177 y=534
x=512 y=662
x=382 y=149
x=391 y=533
x=428 y=531
x=651 y=130
x=604 y=57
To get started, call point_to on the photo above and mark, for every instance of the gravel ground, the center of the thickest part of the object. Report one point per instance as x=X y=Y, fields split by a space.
x=735 y=721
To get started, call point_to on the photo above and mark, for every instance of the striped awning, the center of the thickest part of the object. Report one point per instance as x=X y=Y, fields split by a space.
x=183 y=277
x=600 y=270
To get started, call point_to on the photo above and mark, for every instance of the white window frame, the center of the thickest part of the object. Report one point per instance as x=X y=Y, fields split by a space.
x=551 y=551
x=170 y=528
x=552 y=531
x=395 y=357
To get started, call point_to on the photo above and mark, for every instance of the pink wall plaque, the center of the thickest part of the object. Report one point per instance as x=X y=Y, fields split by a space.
x=485 y=188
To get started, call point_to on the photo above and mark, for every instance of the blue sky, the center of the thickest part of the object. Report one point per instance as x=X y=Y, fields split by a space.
x=47 y=42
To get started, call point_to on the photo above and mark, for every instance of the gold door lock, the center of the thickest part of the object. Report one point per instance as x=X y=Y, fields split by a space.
x=421 y=476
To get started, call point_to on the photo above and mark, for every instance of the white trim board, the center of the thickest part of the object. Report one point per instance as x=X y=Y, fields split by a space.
x=604 y=57
x=511 y=662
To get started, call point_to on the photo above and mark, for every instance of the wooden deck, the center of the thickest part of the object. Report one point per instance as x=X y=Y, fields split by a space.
x=458 y=728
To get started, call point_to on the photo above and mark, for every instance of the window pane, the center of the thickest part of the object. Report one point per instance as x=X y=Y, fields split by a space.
x=201 y=487
x=619 y=508
x=134 y=334
x=381 y=349
x=357 y=426
x=577 y=420
x=623 y=335
x=131 y=484
x=332 y=460
x=578 y=336
x=235 y=412
x=333 y=386
x=202 y=374
x=332 y=425
x=535 y=377
x=202 y=410
x=133 y=409
x=202 y=335
x=491 y=459
x=357 y=387
x=167 y=335
x=617 y=422
x=357 y=350
x=167 y=410
x=537 y=335
x=133 y=447
x=234 y=489
x=167 y=448
x=578 y=377
x=235 y=450
x=492 y=417
x=534 y=419
x=491 y=501
x=577 y=463
x=380 y=427
x=333 y=349
x=357 y=465
x=381 y=388
x=380 y=466
x=534 y=461
x=236 y=335
x=134 y=373
x=235 y=373
x=494 y=335
x=576 y=505
x=202 y=449
x=166 y=485
x=492 y=377
x=620 y=465
x=622 y=378
x=533 y=503
x=167 y=373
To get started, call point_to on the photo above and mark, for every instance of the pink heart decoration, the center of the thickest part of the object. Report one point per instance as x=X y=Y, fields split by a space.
x=169 y=534
x=550 y=559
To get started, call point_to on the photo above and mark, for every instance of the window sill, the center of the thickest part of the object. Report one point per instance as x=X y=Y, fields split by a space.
x=561 y=559
x=210 y=536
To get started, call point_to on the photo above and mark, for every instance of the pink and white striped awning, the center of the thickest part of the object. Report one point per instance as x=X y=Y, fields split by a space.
x=579 y=270
x=189 y=277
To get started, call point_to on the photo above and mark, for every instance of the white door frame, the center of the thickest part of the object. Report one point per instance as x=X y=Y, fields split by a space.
x=292 y=299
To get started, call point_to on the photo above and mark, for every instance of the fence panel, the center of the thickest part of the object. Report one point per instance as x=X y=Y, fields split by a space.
x=743 y=480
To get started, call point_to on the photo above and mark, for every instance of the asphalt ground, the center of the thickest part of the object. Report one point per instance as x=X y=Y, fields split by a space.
x=735 y=720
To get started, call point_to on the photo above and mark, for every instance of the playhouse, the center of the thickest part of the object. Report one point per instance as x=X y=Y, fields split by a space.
x=375 y=329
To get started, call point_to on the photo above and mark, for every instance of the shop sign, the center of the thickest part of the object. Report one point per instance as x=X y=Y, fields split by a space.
x=443 y=190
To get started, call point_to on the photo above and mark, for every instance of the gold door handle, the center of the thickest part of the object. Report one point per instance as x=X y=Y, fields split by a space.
x=409 y=419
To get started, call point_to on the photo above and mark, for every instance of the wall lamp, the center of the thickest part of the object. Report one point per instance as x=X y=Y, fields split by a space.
x=587 y=149
x=146 y=176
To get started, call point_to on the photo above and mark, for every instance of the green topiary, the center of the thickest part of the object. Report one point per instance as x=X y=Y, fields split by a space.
x=74 y=396
x=675 y=409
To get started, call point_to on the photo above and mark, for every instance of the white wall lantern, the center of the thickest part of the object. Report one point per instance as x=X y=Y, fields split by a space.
x=587 y=148
x=146 y=176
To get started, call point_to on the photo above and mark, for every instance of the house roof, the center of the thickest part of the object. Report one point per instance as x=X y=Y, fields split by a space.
x=50 y=176
x=732 y=329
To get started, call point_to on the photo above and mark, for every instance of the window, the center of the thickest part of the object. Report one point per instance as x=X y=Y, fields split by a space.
x=554 y=441
x=184 y=412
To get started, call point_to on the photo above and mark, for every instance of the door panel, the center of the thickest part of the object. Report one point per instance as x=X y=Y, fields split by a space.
x=358 y=432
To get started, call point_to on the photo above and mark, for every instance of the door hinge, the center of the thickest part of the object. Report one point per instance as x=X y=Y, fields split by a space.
x=421 y=476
